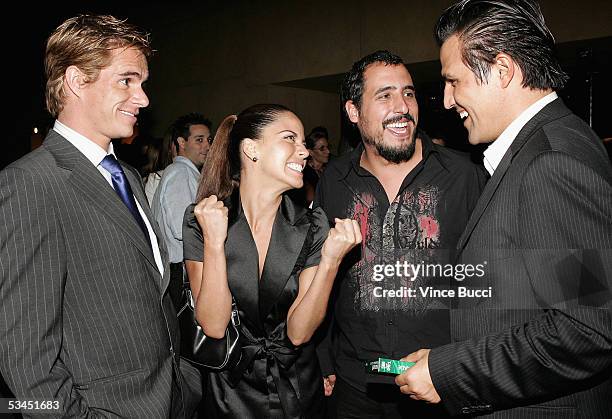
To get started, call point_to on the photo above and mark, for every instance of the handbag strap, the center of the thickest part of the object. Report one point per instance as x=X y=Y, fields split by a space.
x=235 y=316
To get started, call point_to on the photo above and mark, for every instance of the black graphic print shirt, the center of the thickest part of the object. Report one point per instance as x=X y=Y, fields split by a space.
x=373 y=313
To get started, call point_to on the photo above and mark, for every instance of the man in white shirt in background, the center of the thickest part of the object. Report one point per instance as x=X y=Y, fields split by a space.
x=191 y=135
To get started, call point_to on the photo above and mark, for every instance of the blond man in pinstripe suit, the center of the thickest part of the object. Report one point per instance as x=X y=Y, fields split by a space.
x=85 y=318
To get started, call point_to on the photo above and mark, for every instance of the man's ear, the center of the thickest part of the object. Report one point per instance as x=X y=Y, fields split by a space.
x=181 y=142
x=75 y=80
x=250 y=149
x=505 y=67
x=352 y=111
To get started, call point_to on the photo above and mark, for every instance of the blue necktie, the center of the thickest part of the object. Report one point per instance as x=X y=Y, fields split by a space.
x=123 y=189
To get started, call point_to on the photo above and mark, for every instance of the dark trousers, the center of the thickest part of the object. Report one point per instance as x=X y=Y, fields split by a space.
x=381 y=401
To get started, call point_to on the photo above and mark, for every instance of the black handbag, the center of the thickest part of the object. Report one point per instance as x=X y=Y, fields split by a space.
x=202 y=350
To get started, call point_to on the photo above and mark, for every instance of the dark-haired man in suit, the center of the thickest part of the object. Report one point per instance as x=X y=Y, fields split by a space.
x=541 y=346
x=85 y=319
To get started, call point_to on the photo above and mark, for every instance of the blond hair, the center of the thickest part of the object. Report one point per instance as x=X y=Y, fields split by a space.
x=86 y=41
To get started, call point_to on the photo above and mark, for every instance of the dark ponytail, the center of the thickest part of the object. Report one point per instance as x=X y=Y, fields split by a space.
x=216 y=175
x=221 y=173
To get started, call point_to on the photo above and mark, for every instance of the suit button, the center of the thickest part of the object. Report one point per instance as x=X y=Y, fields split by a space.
x=390 y=323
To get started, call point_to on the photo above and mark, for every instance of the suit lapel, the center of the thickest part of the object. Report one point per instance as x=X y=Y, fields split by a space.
x=242 y=269
x=485 y=198
x=89 y=182
x=138 y=191
x=286 y=243
x=136 y=186
x=555 y=109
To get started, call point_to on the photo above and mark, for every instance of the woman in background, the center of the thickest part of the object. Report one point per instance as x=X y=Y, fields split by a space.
x=247 y=240
x=159 y=155
x=318 y=146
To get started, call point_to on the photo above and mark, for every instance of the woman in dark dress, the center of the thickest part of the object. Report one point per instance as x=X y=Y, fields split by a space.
x=246 y=239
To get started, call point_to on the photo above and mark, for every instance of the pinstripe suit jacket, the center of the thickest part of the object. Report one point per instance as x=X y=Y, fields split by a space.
x=541 y=347
x=84 y=316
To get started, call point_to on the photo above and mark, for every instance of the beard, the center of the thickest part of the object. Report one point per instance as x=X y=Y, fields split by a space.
x=395 y=155
x=399 y=154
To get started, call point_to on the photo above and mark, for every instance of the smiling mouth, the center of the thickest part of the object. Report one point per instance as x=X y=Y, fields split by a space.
x=296 y=167
x=398 y=129
x=398 y=125
x=128 y=113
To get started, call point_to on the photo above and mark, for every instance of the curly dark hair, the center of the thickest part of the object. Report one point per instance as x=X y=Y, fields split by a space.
x=352 y=86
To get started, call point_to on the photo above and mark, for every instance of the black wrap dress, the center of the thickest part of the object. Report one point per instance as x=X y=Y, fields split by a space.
x=274 y=379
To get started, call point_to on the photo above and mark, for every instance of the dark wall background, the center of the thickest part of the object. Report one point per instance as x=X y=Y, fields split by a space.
x=218 y=57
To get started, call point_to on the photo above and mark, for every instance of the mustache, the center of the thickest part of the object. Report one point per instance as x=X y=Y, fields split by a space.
x=398 y=118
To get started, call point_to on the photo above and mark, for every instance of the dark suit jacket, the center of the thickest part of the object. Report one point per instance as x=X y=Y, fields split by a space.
x=84 y=316
x=541 y=346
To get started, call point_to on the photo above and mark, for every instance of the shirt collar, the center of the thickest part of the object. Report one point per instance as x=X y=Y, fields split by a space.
x=185 y=160
x=293 y=213
x=94 y=153
x=429 y=148
x=497 y=149
x=355 y=159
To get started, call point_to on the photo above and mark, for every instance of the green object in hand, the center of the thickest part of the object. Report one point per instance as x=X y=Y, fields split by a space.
x=388 y=366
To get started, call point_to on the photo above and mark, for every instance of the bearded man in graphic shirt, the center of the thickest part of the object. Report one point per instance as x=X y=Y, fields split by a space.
x=412 y=200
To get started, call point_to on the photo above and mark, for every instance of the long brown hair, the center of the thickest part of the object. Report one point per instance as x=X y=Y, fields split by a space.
x=221 y=172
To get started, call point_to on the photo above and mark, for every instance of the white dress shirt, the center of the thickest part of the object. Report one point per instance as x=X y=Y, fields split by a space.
x=95 y=154
x=495 y=152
